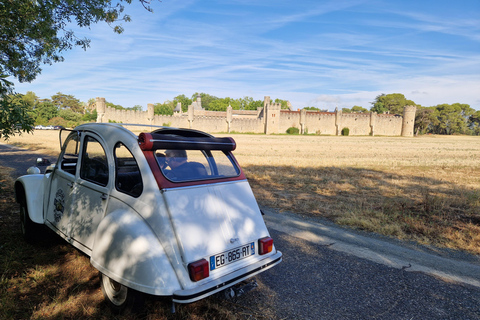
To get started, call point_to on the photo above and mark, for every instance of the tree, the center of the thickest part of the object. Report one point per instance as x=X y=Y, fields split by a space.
x=163 y=108
x=45 y=111
x=474 y=122
x=254 y=105
x=451 y=119
x=223 y=103
x=31 y=99
x=392 y=103
x=90 y=116
x=34 y=32
x=67 y=101
x=359 y=109
x=114 y=106
x=14 y=117
x=70 y=115
x=247 y=103
x=424 y=118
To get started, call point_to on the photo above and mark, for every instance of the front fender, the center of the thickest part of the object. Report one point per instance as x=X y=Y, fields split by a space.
x=127 y=251
x=31 y=188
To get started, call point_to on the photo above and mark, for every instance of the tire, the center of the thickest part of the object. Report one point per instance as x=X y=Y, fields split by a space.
x=119 y=297
x=30 y=229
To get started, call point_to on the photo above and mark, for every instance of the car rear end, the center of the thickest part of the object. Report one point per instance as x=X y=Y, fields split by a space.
x=219 y=230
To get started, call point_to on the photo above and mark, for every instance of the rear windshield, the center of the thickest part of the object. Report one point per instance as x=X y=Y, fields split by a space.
x=191 y=165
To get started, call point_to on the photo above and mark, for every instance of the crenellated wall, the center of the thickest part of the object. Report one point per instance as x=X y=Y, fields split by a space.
x=270 y=119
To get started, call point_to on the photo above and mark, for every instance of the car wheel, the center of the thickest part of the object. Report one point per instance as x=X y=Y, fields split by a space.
x=120 y=297
x=28 y=227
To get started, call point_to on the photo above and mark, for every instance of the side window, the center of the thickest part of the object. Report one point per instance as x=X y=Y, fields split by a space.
x=94 y=165
x=68 y=163
x=128 y=178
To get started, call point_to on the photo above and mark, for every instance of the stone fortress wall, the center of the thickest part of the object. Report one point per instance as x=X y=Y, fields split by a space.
x=270 y=119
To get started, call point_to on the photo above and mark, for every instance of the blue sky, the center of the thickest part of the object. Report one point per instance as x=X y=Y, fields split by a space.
x=313 y=53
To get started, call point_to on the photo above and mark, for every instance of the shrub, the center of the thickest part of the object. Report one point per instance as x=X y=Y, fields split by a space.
x=345 y=131
x=293 y=130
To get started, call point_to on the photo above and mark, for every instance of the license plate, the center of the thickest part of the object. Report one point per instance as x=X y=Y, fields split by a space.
x=230 y=256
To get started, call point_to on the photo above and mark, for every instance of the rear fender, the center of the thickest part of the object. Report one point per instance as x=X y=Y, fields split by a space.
x=127 y=251
x=30 y=188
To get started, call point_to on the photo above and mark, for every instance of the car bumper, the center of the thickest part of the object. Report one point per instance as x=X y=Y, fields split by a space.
x=195 y=294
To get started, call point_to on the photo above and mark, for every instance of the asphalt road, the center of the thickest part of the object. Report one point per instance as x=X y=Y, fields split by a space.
x=320 y=278
x=336 y=273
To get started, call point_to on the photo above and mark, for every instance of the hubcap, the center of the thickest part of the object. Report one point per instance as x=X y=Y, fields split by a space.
x=116 y=293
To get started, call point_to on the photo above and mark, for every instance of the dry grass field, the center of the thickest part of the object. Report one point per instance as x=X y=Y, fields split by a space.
x=424 y=189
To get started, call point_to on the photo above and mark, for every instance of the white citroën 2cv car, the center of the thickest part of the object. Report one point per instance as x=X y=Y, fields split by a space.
x=168 y=213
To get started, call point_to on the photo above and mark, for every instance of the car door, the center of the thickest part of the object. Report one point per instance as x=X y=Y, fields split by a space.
x=62 y=187
x=91 y=192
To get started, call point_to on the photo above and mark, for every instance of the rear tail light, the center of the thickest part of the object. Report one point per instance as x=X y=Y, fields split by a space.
x=265 y=245
x=198 y=270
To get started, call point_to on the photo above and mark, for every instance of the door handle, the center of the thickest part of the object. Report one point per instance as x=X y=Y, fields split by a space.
x=70 y=184
x=104 y=196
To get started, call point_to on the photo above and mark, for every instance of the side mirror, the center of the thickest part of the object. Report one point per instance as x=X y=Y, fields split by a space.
x=42 y=162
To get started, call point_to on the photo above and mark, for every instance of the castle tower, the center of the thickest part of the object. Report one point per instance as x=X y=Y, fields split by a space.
x=150 y=113
x=191 y=115
x=199 y=101
x=373 y=117
x=272 y=116
x=101 y=106
x=303 y=117
x=408 y=122
x=229 y=117
x=338 y=121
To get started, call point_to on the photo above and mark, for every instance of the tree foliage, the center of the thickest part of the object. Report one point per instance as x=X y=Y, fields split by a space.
x=67 y=101
x=391 y=103
x=452 y=119
x=164 y=108
x=475 y=123
x=14 y=116
x=45 y=111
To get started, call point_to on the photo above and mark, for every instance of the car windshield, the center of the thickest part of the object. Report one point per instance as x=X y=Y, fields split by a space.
x=189 y=165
